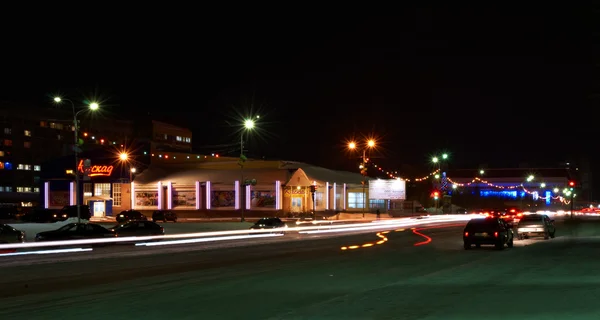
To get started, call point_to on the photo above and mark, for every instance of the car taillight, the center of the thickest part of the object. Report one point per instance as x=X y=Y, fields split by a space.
x=162 y=230
x=466 y=234
x=496 y=234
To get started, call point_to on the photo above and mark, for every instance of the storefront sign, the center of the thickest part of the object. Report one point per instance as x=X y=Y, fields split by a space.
x=387 y=189
x=95 y=171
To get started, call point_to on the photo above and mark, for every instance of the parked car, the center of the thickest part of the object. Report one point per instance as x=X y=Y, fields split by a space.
x=130 y=215
x=162 y=215
x=39 y=215
x=536 y=225
x=138 y=228
x=75 y=231
x=9 y=234
x=489 y=230
x=71 y=212
x=269 y=223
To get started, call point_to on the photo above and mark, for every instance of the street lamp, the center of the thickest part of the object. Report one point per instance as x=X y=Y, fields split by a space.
x=363 y=166
x=248 y=125
x=92 y=106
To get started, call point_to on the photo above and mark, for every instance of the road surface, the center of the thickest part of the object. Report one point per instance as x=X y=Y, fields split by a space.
x=315 y=279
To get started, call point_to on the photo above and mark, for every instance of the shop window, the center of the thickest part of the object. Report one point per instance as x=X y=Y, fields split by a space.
x=377 y=204
x=1 y=153
x=87 y=190
x=27 y=133
x=356 y=200
x=102 y=189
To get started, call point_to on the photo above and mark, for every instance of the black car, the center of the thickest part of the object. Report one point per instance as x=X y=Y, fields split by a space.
x=269 y=223
x=71 y=212
x=490 y=230
x=75 y=231
x=40 y=215
x=161 y=215
x=9 y=234
x=130 y=215
x=138 y=228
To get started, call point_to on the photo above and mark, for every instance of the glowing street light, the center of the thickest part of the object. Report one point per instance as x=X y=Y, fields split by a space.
x=481 y=172
x=123 y=156
x=351 y=145
x=370 y=144
x=445 y=156
x=542 y=185
x=530 y=178
x=248 y=125
x=556 y=190
x=435 y=160
x=92 y=106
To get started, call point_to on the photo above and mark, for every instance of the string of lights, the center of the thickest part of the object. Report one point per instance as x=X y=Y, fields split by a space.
x=392 y=174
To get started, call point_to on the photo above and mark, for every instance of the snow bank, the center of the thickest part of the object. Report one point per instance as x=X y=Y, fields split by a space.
x=31 y=229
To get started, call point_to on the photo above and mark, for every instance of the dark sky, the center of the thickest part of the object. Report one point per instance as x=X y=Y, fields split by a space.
x=491 y=85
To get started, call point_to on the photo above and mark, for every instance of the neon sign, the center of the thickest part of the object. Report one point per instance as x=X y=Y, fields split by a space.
x=95 y=171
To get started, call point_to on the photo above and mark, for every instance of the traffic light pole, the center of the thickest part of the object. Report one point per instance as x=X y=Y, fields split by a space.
x=313 y=189
x=364 y=164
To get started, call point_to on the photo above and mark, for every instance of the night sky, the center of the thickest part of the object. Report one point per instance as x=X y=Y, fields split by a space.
x=491 y=86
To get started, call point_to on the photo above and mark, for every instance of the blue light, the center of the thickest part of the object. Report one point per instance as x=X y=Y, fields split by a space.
x=522 y=194
x=499 y=194
x=7 y=166
x=548 y=195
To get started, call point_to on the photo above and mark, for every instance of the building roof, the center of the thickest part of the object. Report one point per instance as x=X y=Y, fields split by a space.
x=187 y=175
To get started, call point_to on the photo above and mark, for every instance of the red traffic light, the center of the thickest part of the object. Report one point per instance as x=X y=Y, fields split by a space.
x=435 y=194
x=571 y=183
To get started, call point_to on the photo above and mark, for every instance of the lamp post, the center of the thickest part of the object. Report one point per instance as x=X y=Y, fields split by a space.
x=363 y=167
x=124 y=157
x=437 y=162
x=248 y=125
x=92 y=106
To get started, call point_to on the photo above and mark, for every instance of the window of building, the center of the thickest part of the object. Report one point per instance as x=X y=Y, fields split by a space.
x=36 y=190
x=20 y=189
x=116 y=194
x=7 y=130
x=1 y=165
x=7 y=142
x=178 y=138
x=1 y=188
x=58 y=126
x=102 y=189
x=37 y=167
x=377 y=204
x=1 y=153
x=24 y=167
x=27 y=133
x=27 y=189
x=87 y=190
x=8 y=189
x=318 y=199
x=356 y=200
x=27 y=144
x=43 y=124
x=188 y=140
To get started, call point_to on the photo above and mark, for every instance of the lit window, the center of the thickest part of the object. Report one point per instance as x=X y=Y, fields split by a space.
x=27 y=189
x=7 y=142
x=7 y=130
x=21 y=167
x=1 y=189
x=27 y=144
x=28 y=167
x=1 y=165
x=356 y=200
x=37 y=168
x=20 y=189
x=43 y=124
x=188 y=140
x=8 y=189
x=178 y=138
x=1 y=153
x=27 y=133
x=36 y=190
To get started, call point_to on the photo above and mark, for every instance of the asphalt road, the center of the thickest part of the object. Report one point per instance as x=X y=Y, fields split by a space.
x=406 y=277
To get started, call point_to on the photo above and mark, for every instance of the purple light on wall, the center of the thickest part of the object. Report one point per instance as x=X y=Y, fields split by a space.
x=170 y=195
x=46 y=195
x=238 y=195
x=278 y=195
x=72 y=194
x=160 y=195
x=208 y=191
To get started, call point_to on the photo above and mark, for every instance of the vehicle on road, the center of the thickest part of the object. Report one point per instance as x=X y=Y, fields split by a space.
x=9 y=234
x=164 y=216
x=138 y=228
x=128 y=215
x=40 y=215
x=75 y=231
x=269 y=223
x=536 y=225
x=488 y=231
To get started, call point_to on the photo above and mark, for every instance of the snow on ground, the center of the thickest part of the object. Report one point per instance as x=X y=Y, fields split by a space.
x=31 y=229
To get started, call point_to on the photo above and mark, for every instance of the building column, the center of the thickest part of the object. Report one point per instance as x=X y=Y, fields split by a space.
x=278 y=200
x=198 y=195
x=248 y=197
x=208 y=192
x=160 y=195
x=327 y=193
x=72 y=195
x=238 y=194
x=344 y=195
x=132 y=195
x=334 y=196
x=46 y=195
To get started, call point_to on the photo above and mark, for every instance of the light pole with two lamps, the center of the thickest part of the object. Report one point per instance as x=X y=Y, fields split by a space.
x=438 y=163
x=249 y=125
x=363 y=167
x=92 y=106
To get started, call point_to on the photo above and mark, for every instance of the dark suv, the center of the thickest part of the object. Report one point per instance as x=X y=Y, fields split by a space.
x=161 y=215
x=130 y=215
x=490 y=230
x=71 y=212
